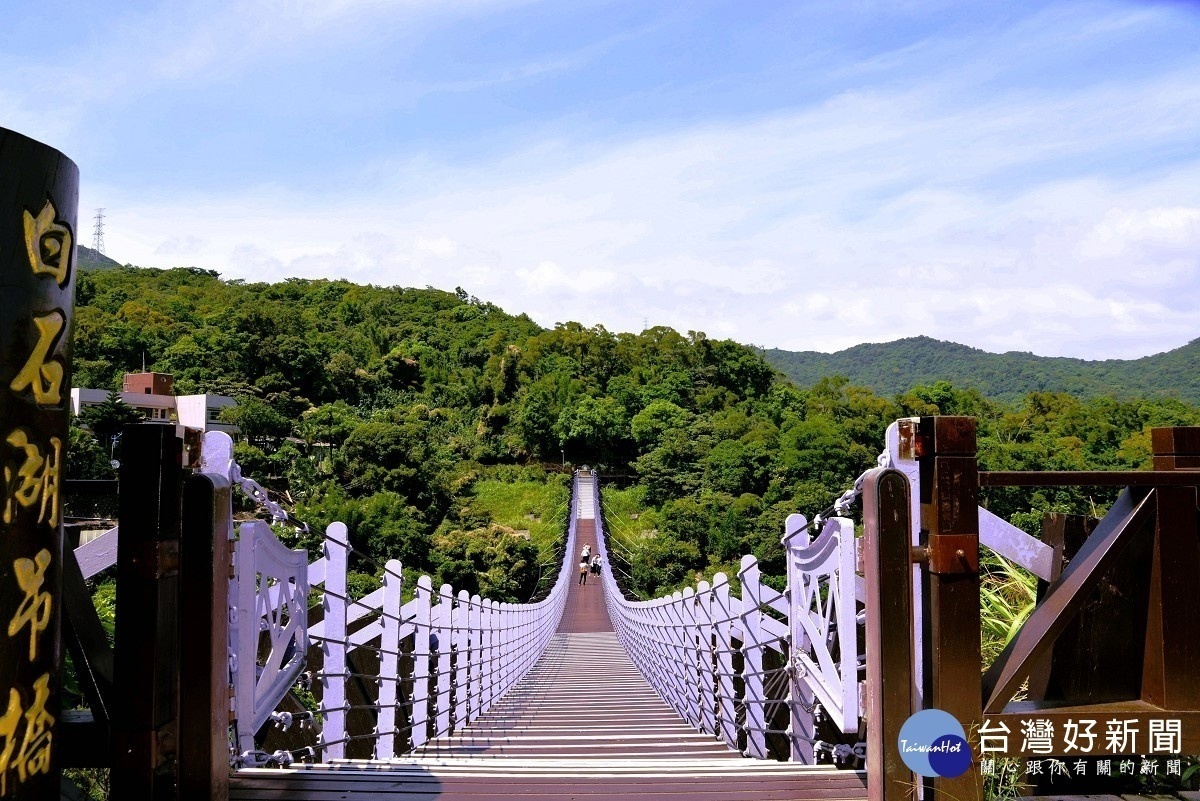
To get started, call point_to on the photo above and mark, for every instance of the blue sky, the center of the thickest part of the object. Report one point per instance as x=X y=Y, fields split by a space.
x=1012 y=176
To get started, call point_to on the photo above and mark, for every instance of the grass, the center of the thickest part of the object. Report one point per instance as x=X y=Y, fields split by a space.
x=539 y=507
x=628 y=519
x=1007 y=596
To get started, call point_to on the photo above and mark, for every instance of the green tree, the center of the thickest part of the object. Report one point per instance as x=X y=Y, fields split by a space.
x=257 y=421
x=107 y=418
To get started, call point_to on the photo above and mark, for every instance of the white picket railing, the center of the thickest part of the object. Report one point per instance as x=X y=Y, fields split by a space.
x=685 y=644
x=465 y=651
x=695 y=647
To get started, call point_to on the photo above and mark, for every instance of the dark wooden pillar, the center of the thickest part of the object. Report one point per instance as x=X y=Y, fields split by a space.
x=1171 y=669
x=887 y=567
x=38 y=204
x=946 y=456
x=146 y=660
x=205 y=564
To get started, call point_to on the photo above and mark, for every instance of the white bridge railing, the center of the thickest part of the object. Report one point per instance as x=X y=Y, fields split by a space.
x=705 y=650
x=750 y=668
x=461 y=652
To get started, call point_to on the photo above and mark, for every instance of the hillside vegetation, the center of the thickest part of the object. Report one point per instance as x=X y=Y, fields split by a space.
x=893 y=367
x=426 y=420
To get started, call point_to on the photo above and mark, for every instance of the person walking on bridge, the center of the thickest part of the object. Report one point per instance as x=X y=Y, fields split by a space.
x=583 y=571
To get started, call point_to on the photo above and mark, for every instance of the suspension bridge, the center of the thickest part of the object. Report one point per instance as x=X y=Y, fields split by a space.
x=725 y=690
x=582 y=721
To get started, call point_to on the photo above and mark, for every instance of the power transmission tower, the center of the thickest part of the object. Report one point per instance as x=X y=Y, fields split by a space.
x=98 y=232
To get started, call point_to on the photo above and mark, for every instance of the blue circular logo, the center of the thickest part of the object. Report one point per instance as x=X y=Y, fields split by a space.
x=932 y=743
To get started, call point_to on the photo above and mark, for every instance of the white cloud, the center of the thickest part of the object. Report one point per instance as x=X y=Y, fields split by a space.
x=1124 y=230
x=1006 y=215
x=442 y=247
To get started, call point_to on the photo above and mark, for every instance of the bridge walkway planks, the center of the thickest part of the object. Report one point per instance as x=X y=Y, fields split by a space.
x=582 y=724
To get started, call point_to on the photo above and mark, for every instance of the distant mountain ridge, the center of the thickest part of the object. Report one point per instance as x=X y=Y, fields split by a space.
x=89 y=259
x=891 y=368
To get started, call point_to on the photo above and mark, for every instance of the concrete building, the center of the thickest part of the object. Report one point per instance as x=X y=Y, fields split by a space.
x=153 y=395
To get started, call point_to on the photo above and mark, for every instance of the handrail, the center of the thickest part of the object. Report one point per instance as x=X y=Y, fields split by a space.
x=465 y=651
x=686 y=644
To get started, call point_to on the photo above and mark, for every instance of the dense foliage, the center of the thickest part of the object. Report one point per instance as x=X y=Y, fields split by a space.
x=390 y=409
x=893 y=367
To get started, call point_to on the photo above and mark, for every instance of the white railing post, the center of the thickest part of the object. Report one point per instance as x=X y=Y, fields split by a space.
x=723 y=623
x=692 y=664
x=801 y=702
x=752 y=659
x=268 y=594
x=421 y=662
x=445 y=635
x=475 y=679
x=704 y=643
x=389 y=660
x=462 y=651
x=490 y=652
x=504 y=632
x=676 y=634
x=334 y=672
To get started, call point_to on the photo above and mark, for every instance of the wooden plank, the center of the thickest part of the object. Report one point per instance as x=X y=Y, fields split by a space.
x=952 y=514
x=379 y=785
x=1181 y=462
x=886 y=510
x=205 y=562
x=1171 y=671
x=1111 y=609
x=1087 y=478
x=146 y=658
x=1176 y=440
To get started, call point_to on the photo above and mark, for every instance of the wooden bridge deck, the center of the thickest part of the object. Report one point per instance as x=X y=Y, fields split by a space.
x=582 y=723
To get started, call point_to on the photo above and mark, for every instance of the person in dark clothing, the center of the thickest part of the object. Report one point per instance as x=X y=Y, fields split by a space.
x=583 y=571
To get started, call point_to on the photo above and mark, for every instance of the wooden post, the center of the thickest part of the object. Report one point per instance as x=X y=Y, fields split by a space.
x=146 y=659
x=38 y=199
x=205 y=563
x=889 y=635
x=1171 y=669
x=950 y=514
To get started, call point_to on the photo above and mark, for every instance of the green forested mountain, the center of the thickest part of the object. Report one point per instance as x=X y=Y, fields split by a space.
x=391 y=409
x=93 y=259
x=892 y=367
